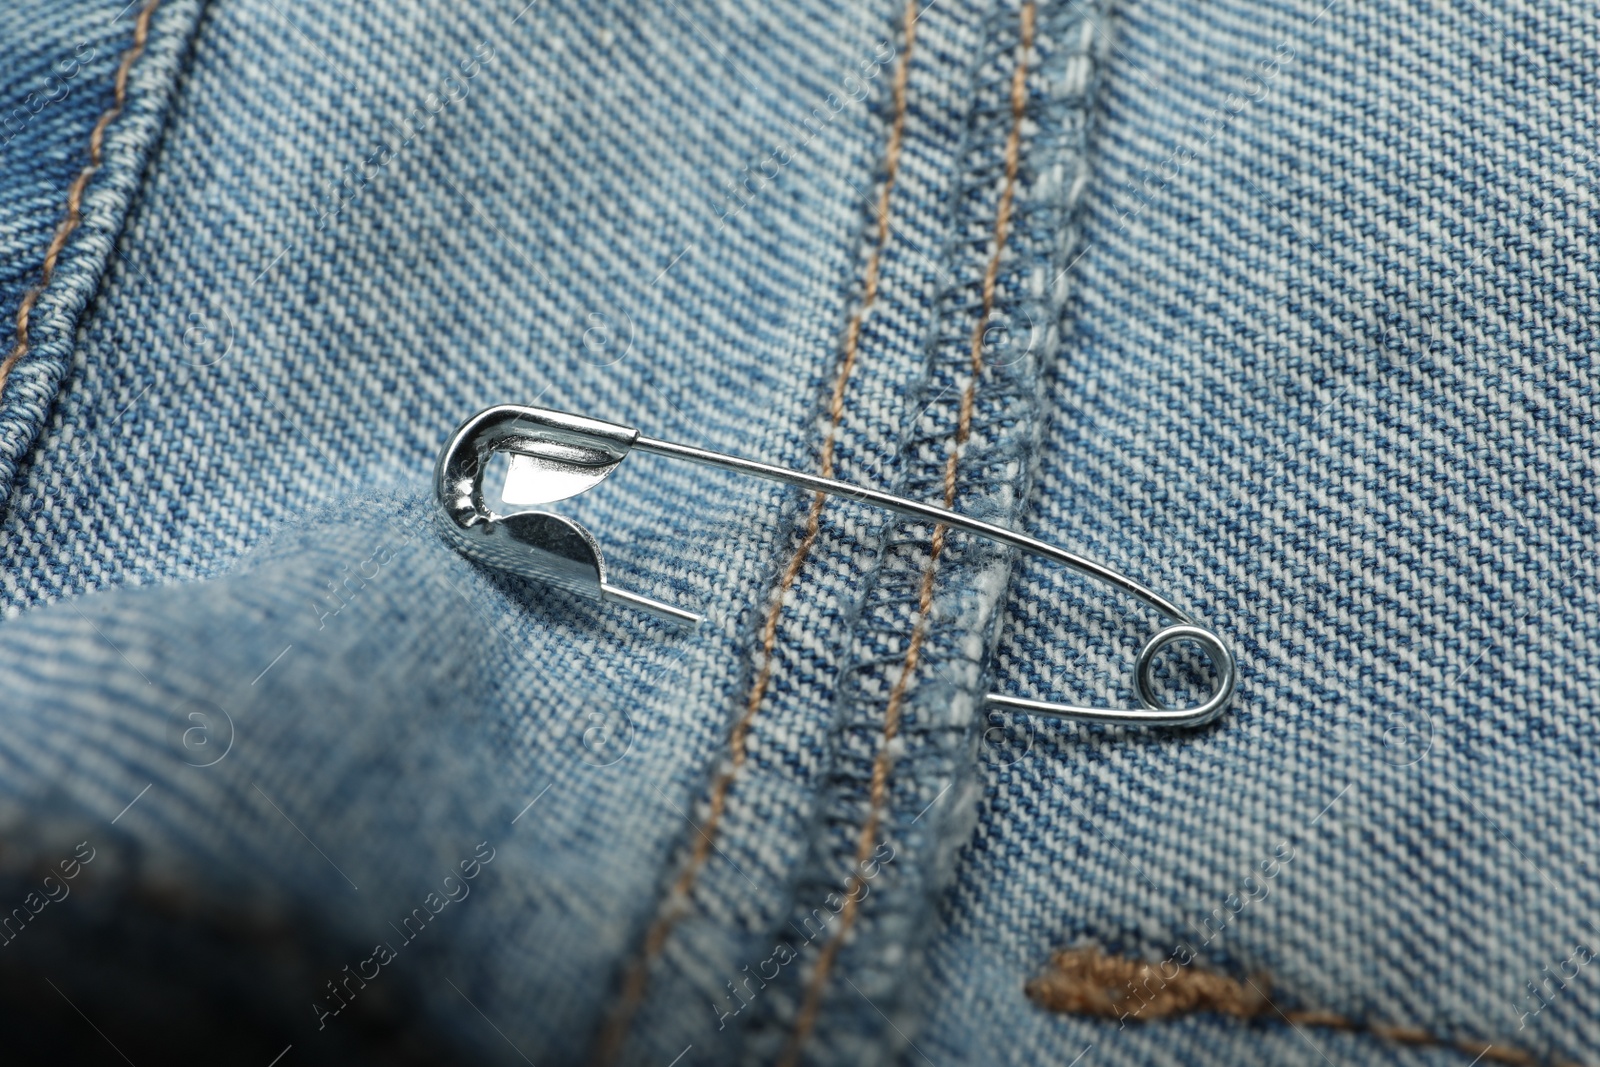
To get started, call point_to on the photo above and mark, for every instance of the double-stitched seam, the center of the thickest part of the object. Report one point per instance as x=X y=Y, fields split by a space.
x=882 y=762
x=1087 y=981
x=19 y=349
x=676 y=905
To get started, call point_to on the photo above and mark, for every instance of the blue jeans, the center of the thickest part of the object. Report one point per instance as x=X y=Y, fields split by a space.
x=1284 y=310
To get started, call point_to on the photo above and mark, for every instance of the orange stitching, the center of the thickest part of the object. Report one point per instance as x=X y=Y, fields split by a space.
x=1086 y=981
x=75 y=194
x=635 y=981
x=879 y=787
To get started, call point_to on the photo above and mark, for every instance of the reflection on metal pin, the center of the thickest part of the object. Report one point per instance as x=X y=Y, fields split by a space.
x=554 y=455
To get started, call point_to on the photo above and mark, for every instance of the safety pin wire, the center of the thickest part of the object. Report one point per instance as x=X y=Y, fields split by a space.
x=1184 y=627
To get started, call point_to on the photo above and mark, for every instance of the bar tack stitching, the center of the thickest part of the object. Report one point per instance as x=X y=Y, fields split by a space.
x=1087 y=981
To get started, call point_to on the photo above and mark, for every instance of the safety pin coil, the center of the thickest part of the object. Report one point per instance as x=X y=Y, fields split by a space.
x=555 y=455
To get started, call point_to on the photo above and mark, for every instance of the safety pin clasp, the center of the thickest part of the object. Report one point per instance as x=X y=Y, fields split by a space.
x=555 y=455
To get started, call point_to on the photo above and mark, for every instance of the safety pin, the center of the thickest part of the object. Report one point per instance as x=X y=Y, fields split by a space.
x=554 y=456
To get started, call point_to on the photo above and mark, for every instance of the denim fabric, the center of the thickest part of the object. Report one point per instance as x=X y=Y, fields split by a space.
x=271 y=799
x=1316 y=370
x=1330 y=383
x=321 y=277
x=59 y=80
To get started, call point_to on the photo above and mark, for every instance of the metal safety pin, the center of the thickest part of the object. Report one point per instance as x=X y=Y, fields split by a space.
x=554 y=455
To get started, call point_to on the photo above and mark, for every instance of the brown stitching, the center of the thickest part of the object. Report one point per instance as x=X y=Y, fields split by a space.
x=881 y=764
x=1086 y=981
x=141 y=31
x=636 y=978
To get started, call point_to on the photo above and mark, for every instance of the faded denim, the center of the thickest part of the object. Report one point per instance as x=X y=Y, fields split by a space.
x=1292 y=319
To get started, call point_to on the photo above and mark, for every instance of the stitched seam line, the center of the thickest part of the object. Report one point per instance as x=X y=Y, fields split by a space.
x=74 y=217
x=636 y=980
x=878 y=790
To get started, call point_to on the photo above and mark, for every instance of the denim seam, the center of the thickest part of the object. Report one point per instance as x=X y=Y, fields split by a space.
x=637 y=977
x=883 y=761
x=75 y=191
x=934 y=749
x=97 y=202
